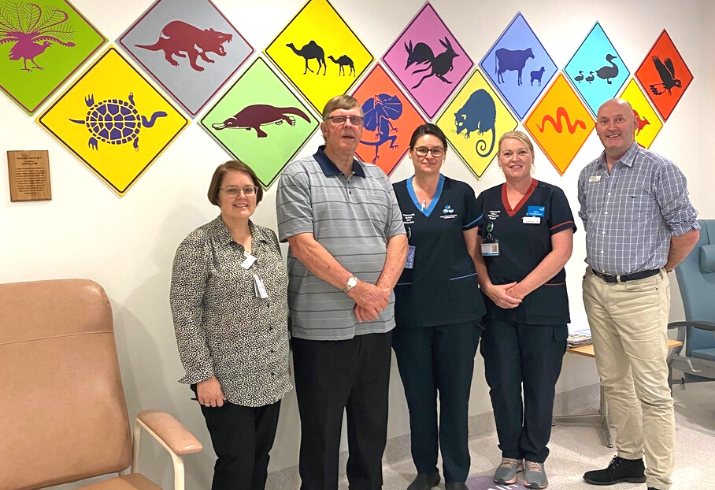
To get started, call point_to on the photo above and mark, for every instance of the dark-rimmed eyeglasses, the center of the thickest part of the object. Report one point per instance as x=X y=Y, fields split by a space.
x=338 y=120
x=422 y=151
x=233 y=191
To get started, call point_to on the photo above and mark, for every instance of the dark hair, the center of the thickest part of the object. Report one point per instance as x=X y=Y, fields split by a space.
x=428 y=128
x=220 y=172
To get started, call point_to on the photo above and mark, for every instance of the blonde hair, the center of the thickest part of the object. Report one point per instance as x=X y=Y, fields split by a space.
x=521 y=136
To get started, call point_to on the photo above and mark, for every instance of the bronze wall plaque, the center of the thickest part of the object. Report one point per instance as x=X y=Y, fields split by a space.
x=29 y=173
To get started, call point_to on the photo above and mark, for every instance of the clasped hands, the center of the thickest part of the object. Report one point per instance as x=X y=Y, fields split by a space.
x=369 y=299
x=505 y=296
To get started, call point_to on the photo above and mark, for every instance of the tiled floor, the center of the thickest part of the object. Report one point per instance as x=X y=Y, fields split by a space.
x=575 y=450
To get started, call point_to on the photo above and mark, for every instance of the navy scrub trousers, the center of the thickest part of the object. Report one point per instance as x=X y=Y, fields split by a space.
x=432 y=359
x=517 y=354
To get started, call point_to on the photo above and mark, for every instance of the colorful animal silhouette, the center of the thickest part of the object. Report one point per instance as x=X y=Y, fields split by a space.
x=642 y=123
x=561 y=115
x=590 y=78
x=378 y=111
x=667 y=77
x=115 y=121
x=511 y=60
x=608 y=72
x=182 y=39
x=33 y=31
x=478 y=114
x=308 y=52
x=257 y=115
x=421 y=53
x=344 y=61
x=579 y=77
x=440 y=65
x=536 y=76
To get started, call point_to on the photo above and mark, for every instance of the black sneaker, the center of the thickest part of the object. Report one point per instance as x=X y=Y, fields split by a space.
x=619 y=470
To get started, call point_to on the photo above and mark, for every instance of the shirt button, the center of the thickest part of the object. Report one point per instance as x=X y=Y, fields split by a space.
x=601 y=251
x=605 y=212
x=603 y=232
x=609 y=193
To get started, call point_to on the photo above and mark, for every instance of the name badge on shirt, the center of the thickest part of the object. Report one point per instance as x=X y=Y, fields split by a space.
x=259 y=287
x=246 y=264
x=410 y=262
x=490 y=248
x=531 y=220
x=594 y=178
x=535 y=211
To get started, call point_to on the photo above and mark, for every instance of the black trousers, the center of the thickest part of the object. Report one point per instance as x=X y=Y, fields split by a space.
x=516 y=355
x=242 y=438
x=332 y=377
x=433 y=359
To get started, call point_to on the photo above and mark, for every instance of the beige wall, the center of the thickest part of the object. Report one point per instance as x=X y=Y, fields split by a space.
x=127 y=244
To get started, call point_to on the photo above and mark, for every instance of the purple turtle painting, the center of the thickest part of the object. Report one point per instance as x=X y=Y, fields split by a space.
x=428 y=61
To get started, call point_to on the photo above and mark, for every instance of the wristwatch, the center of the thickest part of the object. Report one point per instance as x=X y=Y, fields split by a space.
x=352 y=282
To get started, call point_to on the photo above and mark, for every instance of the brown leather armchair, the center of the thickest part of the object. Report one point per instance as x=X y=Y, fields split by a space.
x=63 y=417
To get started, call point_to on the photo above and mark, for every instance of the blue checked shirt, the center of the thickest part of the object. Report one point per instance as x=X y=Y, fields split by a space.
x=630 y=214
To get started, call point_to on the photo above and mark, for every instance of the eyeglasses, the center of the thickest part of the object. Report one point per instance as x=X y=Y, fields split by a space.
x=422 y=151
x=232 y=190
x=338 y=120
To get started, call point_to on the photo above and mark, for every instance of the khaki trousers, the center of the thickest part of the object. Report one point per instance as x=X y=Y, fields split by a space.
x=629 y=323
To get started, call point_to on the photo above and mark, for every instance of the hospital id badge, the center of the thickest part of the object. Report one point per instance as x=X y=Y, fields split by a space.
x=490 y=248
x=410 y=262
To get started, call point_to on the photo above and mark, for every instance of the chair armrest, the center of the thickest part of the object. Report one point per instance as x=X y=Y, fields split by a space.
x=701 y=325
x=170 y=431
x=171 y=434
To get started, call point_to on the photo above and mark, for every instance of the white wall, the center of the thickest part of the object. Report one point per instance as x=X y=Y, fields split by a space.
x=127 y=244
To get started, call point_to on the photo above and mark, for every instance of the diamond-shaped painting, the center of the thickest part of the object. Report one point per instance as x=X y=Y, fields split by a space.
x=390 y=119
x=114 y=121
x=189 y=47
x=473 y=122
x=42 y=44
x=664 y=75
x=560 y=124
x=649 y=124
x=260 y=122
x=428 y=61
x=596 y=70
x=518 y=66
x=319 y=53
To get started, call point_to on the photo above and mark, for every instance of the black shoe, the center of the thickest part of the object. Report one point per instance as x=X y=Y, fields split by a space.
x=424 y=482
x=619 y=470
x=456 y=486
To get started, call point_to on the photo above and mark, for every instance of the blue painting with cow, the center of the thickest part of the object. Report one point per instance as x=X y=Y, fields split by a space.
x=519 y=66
x=596 y=70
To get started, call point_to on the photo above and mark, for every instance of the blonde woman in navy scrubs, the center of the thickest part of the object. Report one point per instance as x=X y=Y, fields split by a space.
x=525 y=239
x=438 y=309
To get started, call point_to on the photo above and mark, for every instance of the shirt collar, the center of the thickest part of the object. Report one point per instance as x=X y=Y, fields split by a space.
x=224 y=234
x=330 y=169
x=627 y=159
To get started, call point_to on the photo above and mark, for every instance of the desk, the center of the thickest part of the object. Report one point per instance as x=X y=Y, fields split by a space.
x=600 y=419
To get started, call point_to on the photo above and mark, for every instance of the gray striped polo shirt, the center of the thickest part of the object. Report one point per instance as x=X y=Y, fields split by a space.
x=352 y=217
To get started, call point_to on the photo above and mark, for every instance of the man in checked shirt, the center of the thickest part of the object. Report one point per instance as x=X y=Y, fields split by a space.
x=639 y=225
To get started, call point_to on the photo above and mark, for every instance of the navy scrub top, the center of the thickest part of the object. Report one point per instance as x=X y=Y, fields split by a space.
x=442 y=287
x=523 y=244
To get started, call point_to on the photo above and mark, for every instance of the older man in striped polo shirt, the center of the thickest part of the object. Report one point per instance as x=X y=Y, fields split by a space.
x=347 y=250
x=639 y=225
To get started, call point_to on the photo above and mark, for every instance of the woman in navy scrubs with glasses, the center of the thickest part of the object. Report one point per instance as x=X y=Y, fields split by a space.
x=525 y=240
x=438 y=309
